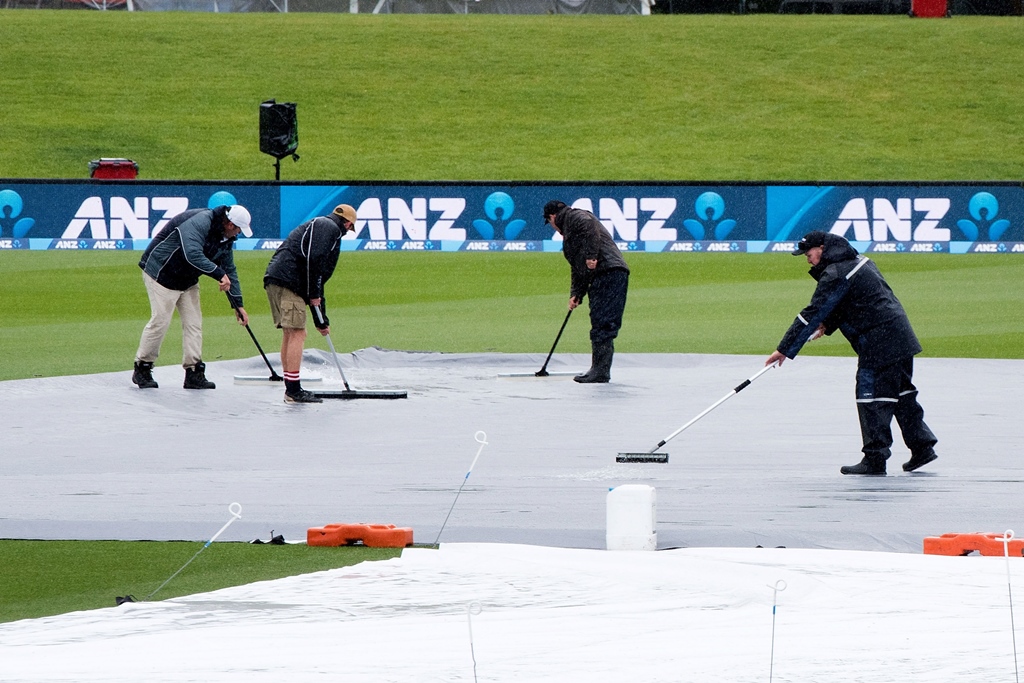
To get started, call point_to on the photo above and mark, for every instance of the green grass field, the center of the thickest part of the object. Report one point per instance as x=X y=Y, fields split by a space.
x=410 y=97
x=52 y=577
x=684 y=97
x=90 y=308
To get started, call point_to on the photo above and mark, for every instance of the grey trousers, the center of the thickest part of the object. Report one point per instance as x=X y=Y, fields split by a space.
x=162 y=302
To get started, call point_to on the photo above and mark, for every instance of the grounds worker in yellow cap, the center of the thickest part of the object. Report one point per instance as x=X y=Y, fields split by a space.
x=295 y=279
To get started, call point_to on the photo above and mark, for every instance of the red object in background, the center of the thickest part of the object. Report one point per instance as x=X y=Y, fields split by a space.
x=964 y=544
x=370 y=535
x=114 y=169
x=928 y=8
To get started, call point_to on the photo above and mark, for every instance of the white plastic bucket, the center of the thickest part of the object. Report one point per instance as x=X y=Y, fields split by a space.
x=630 y=522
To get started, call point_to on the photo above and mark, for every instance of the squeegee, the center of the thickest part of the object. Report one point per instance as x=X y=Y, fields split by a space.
x=654 y=456
x=349 y=393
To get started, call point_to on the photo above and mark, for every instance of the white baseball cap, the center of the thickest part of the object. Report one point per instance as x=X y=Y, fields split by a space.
x=239 y=215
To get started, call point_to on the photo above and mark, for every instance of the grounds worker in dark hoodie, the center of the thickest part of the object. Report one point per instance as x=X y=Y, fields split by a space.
x=853 y=297
x=597 y=268
x=193 y=243
x=295 y=279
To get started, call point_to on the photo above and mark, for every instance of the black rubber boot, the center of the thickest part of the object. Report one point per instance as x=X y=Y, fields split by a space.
x=143 y=375
x=195 y=378
x=871 y=464
x=601 y=364
x=919 y=460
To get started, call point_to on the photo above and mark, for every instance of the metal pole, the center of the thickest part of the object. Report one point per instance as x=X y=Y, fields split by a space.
x=1009 y=591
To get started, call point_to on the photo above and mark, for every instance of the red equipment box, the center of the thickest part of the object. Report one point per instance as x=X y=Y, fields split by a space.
x=928 y=8
x=113 y=169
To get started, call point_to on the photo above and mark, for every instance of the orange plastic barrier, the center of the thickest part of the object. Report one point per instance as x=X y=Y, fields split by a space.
x=963 y=544
x=371 y=535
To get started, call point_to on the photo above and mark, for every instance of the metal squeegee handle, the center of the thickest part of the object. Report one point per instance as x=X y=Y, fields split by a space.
x=543 y=372
x=743 y=385
x=318 y=314
x=273 y=373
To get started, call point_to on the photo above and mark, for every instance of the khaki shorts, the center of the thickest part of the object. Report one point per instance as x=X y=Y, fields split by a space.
x=286 y=307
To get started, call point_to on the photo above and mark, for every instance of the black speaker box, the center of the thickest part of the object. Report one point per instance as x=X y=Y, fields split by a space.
x=279 y=129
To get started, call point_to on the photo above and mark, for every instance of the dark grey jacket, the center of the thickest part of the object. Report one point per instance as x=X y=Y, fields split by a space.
x=854 y=298
x=190 y=245
x=585 y=238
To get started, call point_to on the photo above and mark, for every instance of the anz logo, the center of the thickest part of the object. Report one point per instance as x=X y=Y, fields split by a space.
x=626 y=220
x=434 y=218
x=11 y=205
x=121 y=219
x=909 y=220
x=984 y=208
x=499 y=207
x=419 y=219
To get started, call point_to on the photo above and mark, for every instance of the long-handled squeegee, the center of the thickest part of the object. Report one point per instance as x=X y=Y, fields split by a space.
x=241 y=379
x=653 y=456
x=543 y=372
x=349 y=393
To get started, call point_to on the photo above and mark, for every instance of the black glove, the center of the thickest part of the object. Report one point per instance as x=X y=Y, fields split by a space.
x=320 y=320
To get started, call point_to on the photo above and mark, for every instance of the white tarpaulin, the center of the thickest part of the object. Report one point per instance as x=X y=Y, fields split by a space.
x=527 y=614
x=94 y=457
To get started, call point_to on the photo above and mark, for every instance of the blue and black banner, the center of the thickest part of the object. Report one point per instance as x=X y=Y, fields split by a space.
x=650 y=217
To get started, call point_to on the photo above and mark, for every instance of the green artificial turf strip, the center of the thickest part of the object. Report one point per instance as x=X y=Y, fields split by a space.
x=52 y=577
x=434 y=97
x=87 y=310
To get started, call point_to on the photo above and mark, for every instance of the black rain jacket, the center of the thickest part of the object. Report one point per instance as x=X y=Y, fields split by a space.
x=854 y=298
x=307 y=258
x=190 y=245
x=584 y=237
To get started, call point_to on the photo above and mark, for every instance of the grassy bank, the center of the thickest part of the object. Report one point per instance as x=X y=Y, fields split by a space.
x=408 y=97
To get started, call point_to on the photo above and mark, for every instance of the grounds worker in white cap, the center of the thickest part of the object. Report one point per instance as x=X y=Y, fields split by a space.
x=854 y=298
x=295 y=278
x=193 y=243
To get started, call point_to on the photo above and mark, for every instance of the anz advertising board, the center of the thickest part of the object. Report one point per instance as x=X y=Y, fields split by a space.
x=661 y=217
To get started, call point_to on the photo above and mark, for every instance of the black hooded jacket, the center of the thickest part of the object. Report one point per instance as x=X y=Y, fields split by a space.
x=585 y=237
x=854 y=298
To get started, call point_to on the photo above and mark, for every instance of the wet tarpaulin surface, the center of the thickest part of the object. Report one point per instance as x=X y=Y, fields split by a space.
x=93 y=457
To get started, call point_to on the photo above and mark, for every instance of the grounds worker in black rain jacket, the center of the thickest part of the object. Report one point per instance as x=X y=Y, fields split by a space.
x=193 y=243
x=295 y=279
x=597 y=268
x=854 y=298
